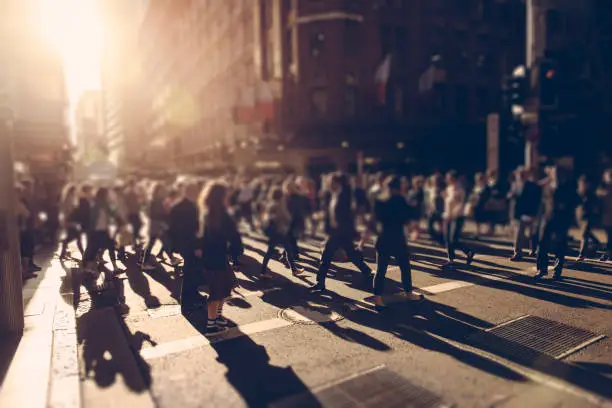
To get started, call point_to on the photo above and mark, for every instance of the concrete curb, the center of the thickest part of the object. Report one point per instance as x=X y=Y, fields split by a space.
x=65 y=386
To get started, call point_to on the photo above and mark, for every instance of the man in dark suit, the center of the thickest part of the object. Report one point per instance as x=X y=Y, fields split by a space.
x=183 y=229
x=526 y=196
x=340 y=227
x=559 y=201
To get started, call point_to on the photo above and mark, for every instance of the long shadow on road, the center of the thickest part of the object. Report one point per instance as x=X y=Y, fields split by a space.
x=249 y=371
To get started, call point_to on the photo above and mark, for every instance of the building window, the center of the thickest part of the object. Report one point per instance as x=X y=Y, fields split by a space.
x=482 y=101
x=317 y=44
x=351 y=37
x=462 y=101
x=400 y=39
x=441 y=97
x=318 y=102
x=350 y=100
x=385 y=39
x=398 y=97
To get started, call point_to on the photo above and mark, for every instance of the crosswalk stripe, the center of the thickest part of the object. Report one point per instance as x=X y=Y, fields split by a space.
x=190 y=343
x=445 y=287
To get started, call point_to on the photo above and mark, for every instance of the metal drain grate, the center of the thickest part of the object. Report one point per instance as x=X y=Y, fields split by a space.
x=529 y=335
x=379 y=387
x=165 y=311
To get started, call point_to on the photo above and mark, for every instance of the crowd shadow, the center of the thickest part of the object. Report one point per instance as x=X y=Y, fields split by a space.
x=250 y=372
x=101 y=333
x=139 y=282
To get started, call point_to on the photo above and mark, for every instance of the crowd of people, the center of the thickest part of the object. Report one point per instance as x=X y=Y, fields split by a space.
x=198 y=223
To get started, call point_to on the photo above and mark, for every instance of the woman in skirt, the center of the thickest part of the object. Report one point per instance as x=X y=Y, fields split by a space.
x=219 y=237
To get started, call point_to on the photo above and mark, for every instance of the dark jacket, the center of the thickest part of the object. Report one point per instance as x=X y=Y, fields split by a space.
x=589 y=206
x=559 y=203
x=183 y=226
x=526 y=199
x=83 y=214
x=217 y=242
x=343 y=212
x=391 y=215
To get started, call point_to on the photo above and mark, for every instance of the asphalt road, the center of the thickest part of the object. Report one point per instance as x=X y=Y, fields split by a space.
x=293 y=348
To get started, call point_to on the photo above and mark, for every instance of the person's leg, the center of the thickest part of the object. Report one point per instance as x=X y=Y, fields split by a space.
x=211 y=324
x=519 y=236
x=356 y=257
x=288 y=246
x=331 y=246
x=561 y=234
x=584 y=239
x=608 y=254
x=272 y=241
x=382 y=262
x=543 y=248
x=449 y=237
x=189 y=285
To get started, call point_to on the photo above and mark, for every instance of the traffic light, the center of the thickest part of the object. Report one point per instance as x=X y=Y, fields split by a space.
x=548 y=84
x=518 y=90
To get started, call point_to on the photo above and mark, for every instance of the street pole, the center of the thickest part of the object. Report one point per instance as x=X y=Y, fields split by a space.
x=531 y=48
x=11 y=286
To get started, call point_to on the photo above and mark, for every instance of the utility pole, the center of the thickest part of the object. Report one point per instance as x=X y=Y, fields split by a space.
x=11 y=297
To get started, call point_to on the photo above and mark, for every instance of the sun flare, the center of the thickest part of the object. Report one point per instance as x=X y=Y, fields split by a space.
x=75 y=29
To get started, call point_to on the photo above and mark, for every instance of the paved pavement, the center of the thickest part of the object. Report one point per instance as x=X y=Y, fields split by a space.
x=293 y=348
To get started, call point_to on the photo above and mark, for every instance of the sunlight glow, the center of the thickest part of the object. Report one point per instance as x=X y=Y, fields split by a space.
x=75 y=28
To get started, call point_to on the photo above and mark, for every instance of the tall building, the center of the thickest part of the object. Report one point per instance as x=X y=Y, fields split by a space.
x=89 y=128
x=120 y=78
x=307 y=84
x=33 y=82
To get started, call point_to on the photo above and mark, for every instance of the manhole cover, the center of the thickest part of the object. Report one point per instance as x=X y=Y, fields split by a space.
x=373 y=388
x=529 y=335
x=304 y=315
x=164 y=311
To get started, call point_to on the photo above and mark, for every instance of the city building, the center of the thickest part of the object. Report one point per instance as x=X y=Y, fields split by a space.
x=91 y=144
x=308 y=84
x=34 y=89
x=121 y=92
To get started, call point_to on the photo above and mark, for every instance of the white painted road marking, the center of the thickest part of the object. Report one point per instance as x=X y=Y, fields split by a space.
x=190 y=343
x=445 y=287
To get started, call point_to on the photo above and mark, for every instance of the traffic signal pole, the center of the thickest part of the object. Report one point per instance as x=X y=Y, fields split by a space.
x=534 y=47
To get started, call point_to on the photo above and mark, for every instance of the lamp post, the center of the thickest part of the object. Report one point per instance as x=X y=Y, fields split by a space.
x=11 y=297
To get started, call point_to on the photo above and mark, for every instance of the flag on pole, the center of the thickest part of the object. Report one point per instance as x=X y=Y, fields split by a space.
x=381 y=79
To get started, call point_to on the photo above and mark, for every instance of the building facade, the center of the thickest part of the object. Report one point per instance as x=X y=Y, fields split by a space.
x=304 y=84
x=120 y=79
x=91 y=144
x=33 y=87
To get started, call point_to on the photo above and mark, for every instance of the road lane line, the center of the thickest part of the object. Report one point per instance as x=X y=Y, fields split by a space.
x=193 y=342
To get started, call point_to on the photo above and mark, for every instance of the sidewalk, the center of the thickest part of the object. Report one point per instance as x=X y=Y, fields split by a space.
x=40 y=369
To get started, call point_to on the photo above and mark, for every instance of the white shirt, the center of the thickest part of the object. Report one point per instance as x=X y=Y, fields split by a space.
x=103 y=221
x=454 y=202
x=245 y=195
x=333 y=202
